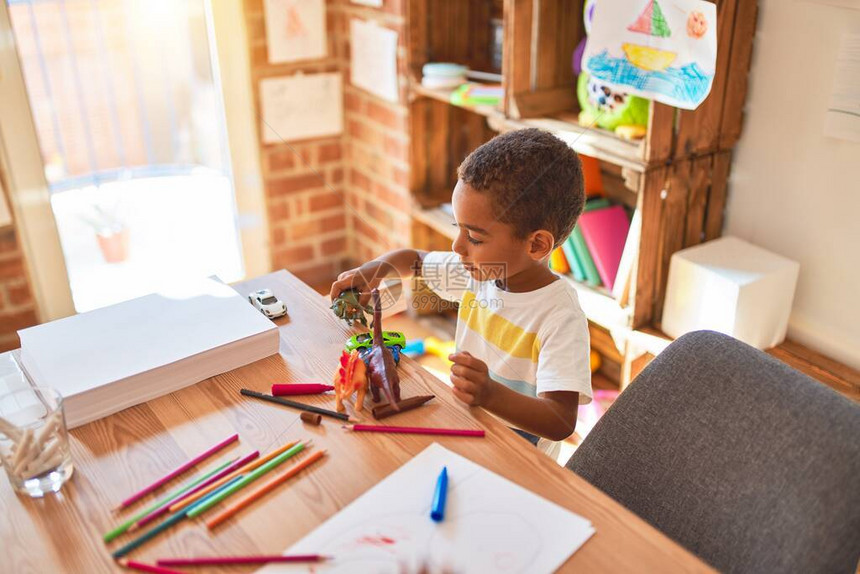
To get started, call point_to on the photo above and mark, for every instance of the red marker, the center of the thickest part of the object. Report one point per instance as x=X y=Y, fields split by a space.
x=300 y=389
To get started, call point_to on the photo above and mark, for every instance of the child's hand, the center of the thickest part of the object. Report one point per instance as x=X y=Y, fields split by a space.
x=364 y=278
x=471 y=378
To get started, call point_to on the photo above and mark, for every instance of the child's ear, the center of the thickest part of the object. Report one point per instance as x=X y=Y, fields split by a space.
x=541 y=244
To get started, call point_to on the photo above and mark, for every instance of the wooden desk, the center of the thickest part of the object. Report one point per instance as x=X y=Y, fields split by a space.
x=118 y=455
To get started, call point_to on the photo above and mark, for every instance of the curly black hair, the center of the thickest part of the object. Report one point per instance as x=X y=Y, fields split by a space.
x=534 y=180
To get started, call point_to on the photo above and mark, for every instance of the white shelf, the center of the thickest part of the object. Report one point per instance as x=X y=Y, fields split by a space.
x=437 y=219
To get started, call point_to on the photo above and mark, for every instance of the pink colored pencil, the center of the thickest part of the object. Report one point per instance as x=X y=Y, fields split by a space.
x=173 y=474
x=300 y=389
x=225 y=560
x=415 y=430
x=146 y=567
x=164 y=508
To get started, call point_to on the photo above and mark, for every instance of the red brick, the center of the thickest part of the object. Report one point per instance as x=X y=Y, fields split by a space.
x=8 y=241
x=396 y=149
x=18 y=320
x=304 y=230
x=256 y=27
x=281 y=160
x=287 y=185
x=386 y=116
x=400 y=176
x=330 y=153
x=293 y=255
x=11 y=268
x=360 y=180
x=355 y=129
x=279 y=236
x=259 y=56
x=324 y=201
x=278 y=210
x=19 y=295
x=333 y=246
x=336 y=176
x=354 y=103
x=333 y=223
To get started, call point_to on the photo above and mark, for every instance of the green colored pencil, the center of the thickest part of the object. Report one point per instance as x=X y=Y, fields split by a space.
x=181 y=490
x=211 y=501
x=173 y=519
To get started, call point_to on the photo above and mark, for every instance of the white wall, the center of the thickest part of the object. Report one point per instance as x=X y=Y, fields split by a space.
x=793 y=190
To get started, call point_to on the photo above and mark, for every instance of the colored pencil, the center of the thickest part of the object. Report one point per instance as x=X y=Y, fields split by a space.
x=146 y=567
x=245 y=469
x=300 y=389
x=176 y=472
x=165 y=508
x=295 y=405
x=260 y=492
x=227 y=560
x=246 y=479
x=172 y=520
x=182 y=489
x=415 y=430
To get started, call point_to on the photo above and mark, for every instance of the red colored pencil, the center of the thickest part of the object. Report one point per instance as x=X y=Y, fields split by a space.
x=415 y=430
x=164 y=508
x=146 y=567
x=174 y=473
x=300 y=389
x=225 y=560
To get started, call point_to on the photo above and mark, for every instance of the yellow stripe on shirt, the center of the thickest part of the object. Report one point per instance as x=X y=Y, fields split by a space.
x=497 y=330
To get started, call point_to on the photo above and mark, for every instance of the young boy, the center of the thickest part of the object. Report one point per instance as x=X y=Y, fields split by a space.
x=522 y=338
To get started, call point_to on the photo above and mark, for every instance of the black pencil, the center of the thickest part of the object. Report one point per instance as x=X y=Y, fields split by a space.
x=296 y=405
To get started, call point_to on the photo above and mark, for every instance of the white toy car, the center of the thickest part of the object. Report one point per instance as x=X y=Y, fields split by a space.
x=267 y=303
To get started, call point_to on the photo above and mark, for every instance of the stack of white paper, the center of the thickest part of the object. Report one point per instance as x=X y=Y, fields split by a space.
x=490 y=525
x=116 y=357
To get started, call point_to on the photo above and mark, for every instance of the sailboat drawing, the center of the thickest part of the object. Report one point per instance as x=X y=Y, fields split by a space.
x=649 y=52
x=650 y=22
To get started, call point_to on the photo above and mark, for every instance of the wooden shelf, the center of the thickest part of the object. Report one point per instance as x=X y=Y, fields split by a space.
x=600 y=307
x=443 y=95
x=437 y=219
x=593 y=141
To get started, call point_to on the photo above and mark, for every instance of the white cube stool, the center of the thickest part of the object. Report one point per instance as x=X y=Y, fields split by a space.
x=730 y=286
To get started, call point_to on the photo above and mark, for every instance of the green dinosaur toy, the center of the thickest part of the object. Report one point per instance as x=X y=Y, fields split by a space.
x=347 y=307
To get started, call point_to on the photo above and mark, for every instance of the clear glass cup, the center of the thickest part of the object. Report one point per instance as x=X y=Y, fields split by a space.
x=34 y=443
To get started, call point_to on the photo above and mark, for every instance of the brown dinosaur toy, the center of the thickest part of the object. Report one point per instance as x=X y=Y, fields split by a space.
x=381 y=370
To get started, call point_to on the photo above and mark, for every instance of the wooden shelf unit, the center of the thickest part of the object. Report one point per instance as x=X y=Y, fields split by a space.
x=676 y=176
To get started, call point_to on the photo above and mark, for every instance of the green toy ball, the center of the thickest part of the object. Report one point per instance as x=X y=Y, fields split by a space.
x=608 y=107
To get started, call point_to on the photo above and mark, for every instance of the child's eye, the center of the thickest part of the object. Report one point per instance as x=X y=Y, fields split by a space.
x=473 y=241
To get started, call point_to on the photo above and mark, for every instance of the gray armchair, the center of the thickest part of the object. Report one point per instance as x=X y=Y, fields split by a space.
x=746 y=462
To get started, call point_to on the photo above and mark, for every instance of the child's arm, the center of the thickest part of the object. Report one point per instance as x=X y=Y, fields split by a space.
x=551 y=416
x=402 y=262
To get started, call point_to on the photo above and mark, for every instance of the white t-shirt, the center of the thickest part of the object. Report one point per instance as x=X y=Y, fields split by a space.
x=532 y=342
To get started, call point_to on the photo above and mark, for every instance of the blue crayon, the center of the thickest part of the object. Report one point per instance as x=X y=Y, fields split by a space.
x=437 y=510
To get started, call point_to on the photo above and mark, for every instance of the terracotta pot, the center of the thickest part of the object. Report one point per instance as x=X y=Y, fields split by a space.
x=114 y=246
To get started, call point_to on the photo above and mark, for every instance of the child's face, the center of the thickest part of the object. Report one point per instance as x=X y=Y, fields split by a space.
x=488 y=248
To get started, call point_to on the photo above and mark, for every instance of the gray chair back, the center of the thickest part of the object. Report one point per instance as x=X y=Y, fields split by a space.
x=746 y=462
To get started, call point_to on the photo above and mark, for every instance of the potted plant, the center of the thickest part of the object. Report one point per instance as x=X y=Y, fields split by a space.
x=111 y=233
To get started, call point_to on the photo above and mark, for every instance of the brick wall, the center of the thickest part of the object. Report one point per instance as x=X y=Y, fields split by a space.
x=17 y=306
x=376 y=145
x=335 y=202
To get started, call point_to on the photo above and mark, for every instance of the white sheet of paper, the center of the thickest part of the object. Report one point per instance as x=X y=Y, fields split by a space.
x=843 y=114
x=92 y=349
x=665 y=50
x=301 y=106
x=295 y=30
x=490 y=525
x=375 y=3
x=373 y=64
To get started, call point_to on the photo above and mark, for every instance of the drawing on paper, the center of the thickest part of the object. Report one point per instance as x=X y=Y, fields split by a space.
x=491 y=525
x=666 y=51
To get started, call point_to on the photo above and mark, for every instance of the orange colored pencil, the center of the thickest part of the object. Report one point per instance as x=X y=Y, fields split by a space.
x=250 y=466
x=231 y=510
